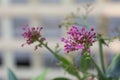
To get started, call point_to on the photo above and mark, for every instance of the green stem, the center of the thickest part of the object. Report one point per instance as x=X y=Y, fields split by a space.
x=48 y=48
x=96 y=66
x=101 y=56
x=54 y=53
x=101 y=76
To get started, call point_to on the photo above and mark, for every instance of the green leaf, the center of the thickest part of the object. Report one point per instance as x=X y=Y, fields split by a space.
x=61 y=78
x=67 y=66
x=11 y=75
x=114 y=69
x=84 y=62
x=43 y=75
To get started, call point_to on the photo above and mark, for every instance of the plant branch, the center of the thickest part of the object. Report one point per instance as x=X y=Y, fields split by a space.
x=55 y=54
x=96 y=66
x=101 y=55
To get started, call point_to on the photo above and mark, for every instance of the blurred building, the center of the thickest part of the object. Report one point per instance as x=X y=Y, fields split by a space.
x=27 y=63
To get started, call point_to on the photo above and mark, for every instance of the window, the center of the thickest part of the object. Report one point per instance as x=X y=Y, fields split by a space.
x=17 y=24
x=114 y=26
x=50 y=61
x=50 y=24
x=22 y=59
x=84 y=1
x=1 y=58
x=51 y=1
x=19 y=1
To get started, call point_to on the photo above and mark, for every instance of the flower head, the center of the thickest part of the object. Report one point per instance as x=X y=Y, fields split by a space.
x=79 y=39
x=32 y=34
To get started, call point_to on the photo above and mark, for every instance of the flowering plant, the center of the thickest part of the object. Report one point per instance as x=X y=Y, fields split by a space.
x=79 y=39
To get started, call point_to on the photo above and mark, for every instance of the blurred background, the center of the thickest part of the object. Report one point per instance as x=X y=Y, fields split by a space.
x=27 y=63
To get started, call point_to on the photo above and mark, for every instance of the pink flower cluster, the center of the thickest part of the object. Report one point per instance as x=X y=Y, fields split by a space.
x=32 y=34
x=79 y=39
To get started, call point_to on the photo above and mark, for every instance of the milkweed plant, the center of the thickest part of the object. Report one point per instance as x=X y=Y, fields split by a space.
x=79 y=39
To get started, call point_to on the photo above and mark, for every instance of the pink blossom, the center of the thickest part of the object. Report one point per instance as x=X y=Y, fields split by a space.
x=32 y=34
x=79 y=39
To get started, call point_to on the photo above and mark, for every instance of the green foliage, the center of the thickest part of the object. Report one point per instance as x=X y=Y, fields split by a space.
x=84 y=62
x=42 y=76
x=11 y=75
x=67 y=66
x=61 y=78
x=114 y=69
